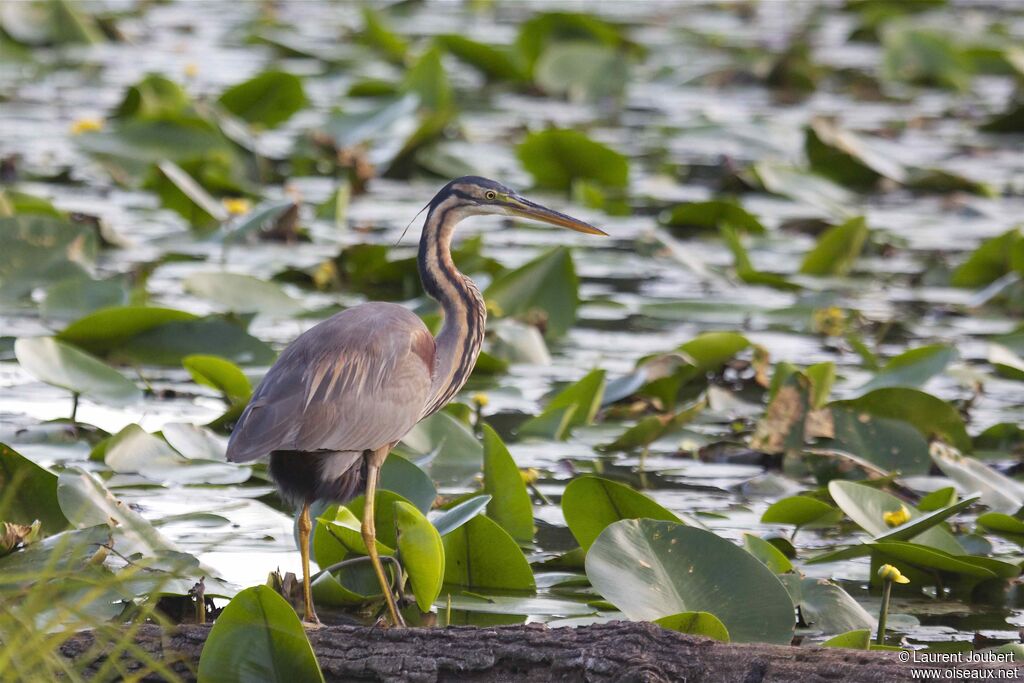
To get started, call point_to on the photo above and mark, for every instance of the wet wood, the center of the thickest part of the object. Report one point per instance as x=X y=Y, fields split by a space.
x=617 y=651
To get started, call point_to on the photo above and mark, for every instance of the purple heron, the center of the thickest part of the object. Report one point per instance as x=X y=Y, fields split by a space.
x=347 y=390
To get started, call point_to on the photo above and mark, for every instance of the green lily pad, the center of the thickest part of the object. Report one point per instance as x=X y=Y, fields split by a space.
x=801 y=511
x=999 y=492
x=591 y=503
x=241 y=293
x=771 y=556
x=408 y=480
x=685 y=219
x=421 y=552
x=913 y=368
x=220 y=374
x=170 y=343
x=582 y=70
x=893 y=445
x=268 y=99
x=858 y=639
x=544 y=288
x=510 y=504
x=556 y=158
x=837 y=249
x=651 y=569
x=62 y=365
x=106 y=329
x=696 y=624
x=867 y=506
x=457 y=456
x=493 y=62
x=34 y=492
x=457 y=515
x=930 y=415
x=582 y=397
x=481 y=556
x=258 y=636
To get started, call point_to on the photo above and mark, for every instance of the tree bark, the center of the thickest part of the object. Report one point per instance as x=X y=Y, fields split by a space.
x=616 y=651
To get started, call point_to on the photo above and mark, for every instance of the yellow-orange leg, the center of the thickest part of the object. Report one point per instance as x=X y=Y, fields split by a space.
x=305 y=526
x=370 y=535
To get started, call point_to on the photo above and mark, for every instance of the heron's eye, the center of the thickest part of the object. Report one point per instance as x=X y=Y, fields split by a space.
x=490 y=195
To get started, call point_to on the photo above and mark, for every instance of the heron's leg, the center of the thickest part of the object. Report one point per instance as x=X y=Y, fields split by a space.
x=305 y=526
x=370 y=533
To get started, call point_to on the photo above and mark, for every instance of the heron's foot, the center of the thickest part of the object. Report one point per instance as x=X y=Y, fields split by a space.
x=313 y=624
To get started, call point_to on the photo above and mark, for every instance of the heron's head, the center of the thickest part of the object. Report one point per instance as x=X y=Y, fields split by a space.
x=477 y=196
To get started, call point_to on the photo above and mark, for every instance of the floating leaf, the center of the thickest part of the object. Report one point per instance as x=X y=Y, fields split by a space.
x=769 y=555
x=421 y=553
x=806 y=187
x=696 y=624
x=867 y=507
x=258 y=637
x=827 y=607
x=994 y=258
x=651 y=569
x=837 y=249
x=913 y=368
x=932 y=416
x=510 y=504
x=40 y=249
x=171 y=343
x=493 y=62
x=591 y=503
x=106 y=329
x=859 y=639
x=544 y=29
x=181 y=192
x=133 y=450
x=893 y=445
x=558 y=157
x=574 y=406
x=846 y=158
x=408 y=480
x=481 y=556
x=543 y=290
x=34 y=492
x=684 y=219
x=801 y=511
x=268 y=99
x=220 y=374
x=582 y=71
x=999 y=492
x=458 y=456
x=924 y=56
x=241 y=293
x=61 y=365
x=454 y=517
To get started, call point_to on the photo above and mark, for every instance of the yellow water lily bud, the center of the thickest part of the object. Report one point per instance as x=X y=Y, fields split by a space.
x=830 y=322
x=480 y=400
x=887 y=572
x=896 y=517
x=493 y=308
x=529 y=475
x=191 y=70
x=236 y=206
x=86 y=125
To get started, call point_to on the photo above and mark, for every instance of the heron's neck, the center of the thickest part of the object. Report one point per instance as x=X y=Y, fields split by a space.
x=458 y=343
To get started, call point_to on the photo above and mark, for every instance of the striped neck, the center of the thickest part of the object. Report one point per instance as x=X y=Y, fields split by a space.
x=458 y=343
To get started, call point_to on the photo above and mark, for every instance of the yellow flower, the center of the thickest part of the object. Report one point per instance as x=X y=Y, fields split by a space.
x=236 y=206
x=191 y=70
x=890 y=573
x=529 y=475
x=480 y=400
x=86 y=125
x=897 y=517
x=494 y=308
x=830 y=322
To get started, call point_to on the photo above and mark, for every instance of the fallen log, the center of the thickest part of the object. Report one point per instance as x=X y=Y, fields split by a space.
x=616 y=651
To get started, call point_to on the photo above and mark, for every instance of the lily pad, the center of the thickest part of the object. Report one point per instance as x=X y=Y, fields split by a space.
x=510 y=504
x=62 y=365
x=913 y=368
x=268 y=99
x=220 y=374
x=930 y=415
x=556 y=158
x=591 y=503
x=34 y=492
x=421 y=553
x=651 y=569
x=837 y=249
x=481 y=556
x=574 y=406
x=543 y=290
x=258 y=636
x=696 y=624
x=241 y=293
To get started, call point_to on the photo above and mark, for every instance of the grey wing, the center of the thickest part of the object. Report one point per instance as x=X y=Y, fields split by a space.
x=357 y=381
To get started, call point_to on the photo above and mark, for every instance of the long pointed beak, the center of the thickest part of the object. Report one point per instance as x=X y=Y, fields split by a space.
x=527 y=209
